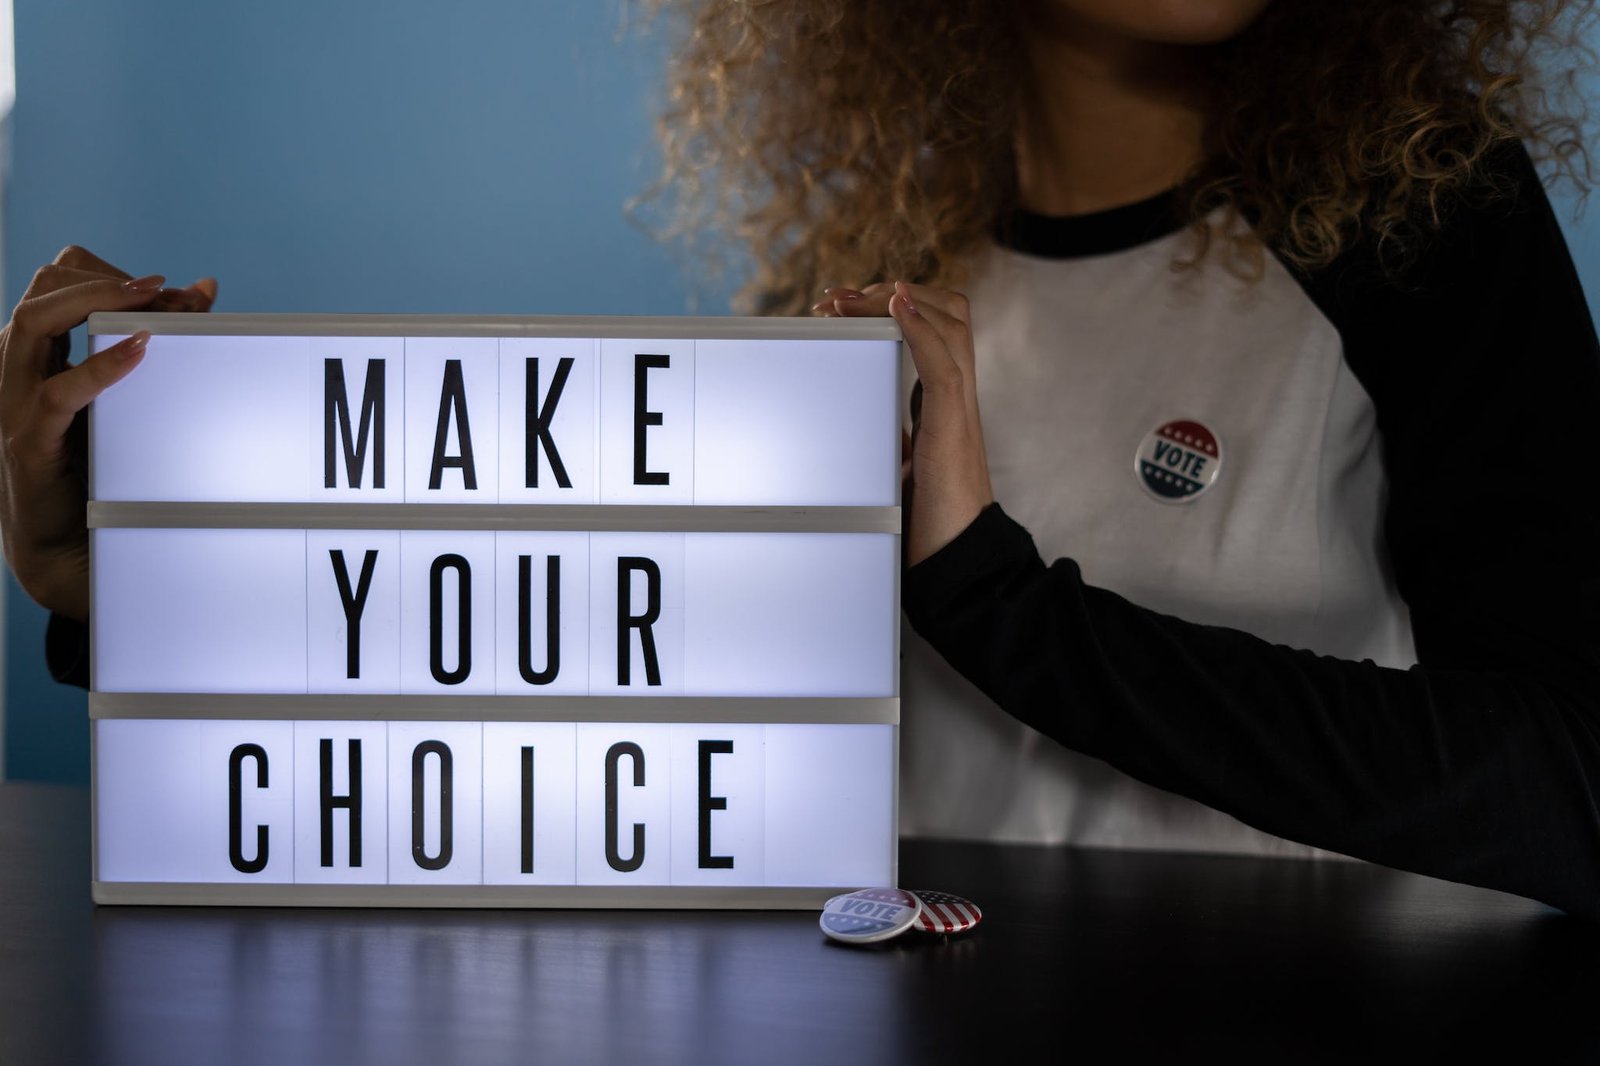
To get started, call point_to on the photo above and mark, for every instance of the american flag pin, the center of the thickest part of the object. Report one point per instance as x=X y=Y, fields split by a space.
x=940 y=912
x=869 y=915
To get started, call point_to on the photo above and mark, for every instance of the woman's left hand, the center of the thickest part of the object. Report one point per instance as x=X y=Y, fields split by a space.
x=949 y=469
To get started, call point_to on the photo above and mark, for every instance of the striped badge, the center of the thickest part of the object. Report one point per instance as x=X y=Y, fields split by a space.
x=940 y=912
x=869 y=915
x=1178 y=461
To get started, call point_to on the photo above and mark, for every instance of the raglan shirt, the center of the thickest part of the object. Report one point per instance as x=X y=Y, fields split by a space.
x=1376 y=632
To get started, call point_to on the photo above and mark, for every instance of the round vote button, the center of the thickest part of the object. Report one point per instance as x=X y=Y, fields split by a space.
x=870 y=915
x=1178 y=461
x=940 y=912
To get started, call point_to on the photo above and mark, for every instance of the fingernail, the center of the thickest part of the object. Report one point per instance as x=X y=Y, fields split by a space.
x=842 y=294
x=135 y=344
x=905 y=301
x=182 y=299
x=149 y=283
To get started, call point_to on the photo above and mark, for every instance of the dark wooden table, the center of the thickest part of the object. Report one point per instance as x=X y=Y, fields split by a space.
x=1083 y=955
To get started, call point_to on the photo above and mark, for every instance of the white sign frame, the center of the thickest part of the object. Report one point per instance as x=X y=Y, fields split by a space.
x=610 y=512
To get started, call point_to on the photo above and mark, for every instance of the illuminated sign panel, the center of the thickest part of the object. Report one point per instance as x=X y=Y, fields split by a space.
x=508 y=613
x=796 y=422
x=501 y=612
x=488 y=803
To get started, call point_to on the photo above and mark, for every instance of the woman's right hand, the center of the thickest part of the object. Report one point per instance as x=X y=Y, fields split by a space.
x=42 y=486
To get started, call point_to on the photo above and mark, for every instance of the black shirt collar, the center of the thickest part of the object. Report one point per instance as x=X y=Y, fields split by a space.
x=1099 y=233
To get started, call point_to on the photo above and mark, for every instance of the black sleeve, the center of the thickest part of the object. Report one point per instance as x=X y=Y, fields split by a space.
x=66 y=650
x=1481 y=763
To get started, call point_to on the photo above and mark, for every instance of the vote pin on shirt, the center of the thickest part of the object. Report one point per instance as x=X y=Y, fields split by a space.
x=877 y=914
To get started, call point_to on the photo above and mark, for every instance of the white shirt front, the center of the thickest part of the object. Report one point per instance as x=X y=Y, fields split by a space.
x=1078 y=360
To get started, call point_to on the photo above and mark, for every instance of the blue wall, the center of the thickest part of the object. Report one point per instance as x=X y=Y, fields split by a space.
x=394 y=156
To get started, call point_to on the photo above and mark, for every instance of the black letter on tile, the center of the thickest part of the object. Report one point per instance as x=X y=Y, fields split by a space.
x=616 y=752
x=552 y=620
x=336 y=417
x=236 y=808
x=446 y=816
x=527 y=809
x=538 y=424
x=453 y=400
x=642 y=417
x=709 y=803
x=354 y=603
x=626 y=566
x=436 y=619
x=350 y=802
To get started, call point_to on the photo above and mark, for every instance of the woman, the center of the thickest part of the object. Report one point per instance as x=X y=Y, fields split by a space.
x=1276 y=339
x=1278 y=348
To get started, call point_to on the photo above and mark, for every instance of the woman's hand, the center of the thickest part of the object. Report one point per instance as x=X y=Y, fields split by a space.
x=42 y=487
x=949 y=469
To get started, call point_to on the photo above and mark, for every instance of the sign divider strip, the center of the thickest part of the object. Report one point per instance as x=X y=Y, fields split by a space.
x=832 y=710
x=489 y=517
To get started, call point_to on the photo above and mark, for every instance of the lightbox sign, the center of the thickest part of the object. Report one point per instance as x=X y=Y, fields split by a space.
x=499 y=612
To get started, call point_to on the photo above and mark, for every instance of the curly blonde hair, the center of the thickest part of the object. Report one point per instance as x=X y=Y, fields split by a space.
x=837 y=147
